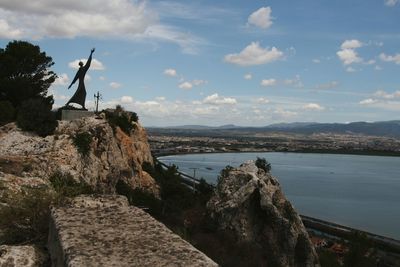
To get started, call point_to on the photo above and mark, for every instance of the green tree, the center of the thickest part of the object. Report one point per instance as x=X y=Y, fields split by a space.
x=7 y=112
x=24 y=73
x=35 y=115
x=263 y=164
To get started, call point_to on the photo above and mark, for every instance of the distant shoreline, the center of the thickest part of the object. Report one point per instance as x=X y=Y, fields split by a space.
x=308 y=151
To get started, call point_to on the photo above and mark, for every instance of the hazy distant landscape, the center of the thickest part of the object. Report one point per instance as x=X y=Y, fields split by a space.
x=380 y=138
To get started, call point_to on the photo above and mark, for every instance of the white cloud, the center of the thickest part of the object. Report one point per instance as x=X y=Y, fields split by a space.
x=387 y=58
x=386 y=95
x=268 y=82
x=351 y=44
x=316 y=61
x=205 y=110
x=253 y=54
x=378 y=67
x=69 y=19
x=126 y=99
x=189 y=85
x=187 y=41
x=370 y=62
x=391 y=2
x=262 y=100
x=186 y=86
x=215 y=99
x=248 y=76
x=170 y=72
x=7 y=32
x=117 y=19
x=295 y=82
x=368 y=101
x=62 y=80
x=280 y=113
x=350 y=69
x=261 y=18
x=115 y=85
x=328 y=85
x=102 y=78
x=95 y=65
x=313 y=106
x=198 y=82
x=348 y=55
x=160 y=98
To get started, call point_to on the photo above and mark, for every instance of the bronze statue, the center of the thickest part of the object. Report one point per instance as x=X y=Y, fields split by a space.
x=80 y=94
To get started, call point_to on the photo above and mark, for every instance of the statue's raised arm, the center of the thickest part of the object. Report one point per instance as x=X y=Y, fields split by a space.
x=89 y=61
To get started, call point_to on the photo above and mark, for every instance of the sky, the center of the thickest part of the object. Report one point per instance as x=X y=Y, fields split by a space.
x=248 y=63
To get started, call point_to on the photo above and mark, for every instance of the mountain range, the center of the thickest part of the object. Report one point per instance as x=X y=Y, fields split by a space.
x=380 y=128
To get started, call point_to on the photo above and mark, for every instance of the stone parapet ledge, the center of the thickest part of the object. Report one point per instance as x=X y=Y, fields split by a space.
x=106 y=231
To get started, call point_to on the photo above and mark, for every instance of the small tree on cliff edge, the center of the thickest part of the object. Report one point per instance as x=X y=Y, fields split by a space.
x=25 y=73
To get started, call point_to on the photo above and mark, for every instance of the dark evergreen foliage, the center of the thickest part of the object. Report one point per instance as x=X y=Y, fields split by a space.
x=263 y=164
x=24 y=73
x=7 y=112
x=35 y=115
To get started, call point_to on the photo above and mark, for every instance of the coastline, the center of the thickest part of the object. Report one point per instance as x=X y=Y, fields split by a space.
x=311 y=151
x=326 y=227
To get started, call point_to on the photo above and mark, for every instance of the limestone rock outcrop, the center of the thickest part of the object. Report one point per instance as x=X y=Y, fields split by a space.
x=28 y=256
x=250 y=203
x=113 y=155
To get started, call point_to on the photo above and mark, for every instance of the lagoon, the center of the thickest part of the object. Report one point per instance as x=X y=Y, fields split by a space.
x=362 y=192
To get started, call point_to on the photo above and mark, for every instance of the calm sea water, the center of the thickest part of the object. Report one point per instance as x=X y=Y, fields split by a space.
x=362 y=192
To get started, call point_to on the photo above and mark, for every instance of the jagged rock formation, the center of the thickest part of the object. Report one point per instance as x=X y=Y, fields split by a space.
x=249 y=203
x=28 y=256
x=112 y=156
x=106 y=231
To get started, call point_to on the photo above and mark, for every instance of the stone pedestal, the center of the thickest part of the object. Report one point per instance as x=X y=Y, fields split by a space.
x=68 y=115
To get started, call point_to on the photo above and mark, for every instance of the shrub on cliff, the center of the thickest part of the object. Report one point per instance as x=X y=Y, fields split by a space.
x=7 y=112
x=35 y=115
x=122 y=119
x=66 y=186
x=263 y=164
x=82 y=142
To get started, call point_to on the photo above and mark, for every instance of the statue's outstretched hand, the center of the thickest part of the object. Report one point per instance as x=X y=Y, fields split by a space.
x=69 y=86
x=91 y=51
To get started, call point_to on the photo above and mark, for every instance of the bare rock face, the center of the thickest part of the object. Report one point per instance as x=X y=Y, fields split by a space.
x=112 y=156
x=15 y=256
x=249 y=203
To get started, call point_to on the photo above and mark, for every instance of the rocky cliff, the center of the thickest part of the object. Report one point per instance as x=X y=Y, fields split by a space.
x=249 y=203
x=113 y=155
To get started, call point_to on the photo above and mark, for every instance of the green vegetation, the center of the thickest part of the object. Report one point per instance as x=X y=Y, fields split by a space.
x=359 y=246
x=25 y=73
x=328 y=259
x=122 y=119
x=139 y=198
x=263 y=164
x=7 y=112
x=25 y=77
x=82 y=142
x=66 y=186
x=24 y=216
x=35 y=115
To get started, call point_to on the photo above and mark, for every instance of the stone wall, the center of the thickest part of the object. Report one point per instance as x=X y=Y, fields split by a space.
x=106 y=231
